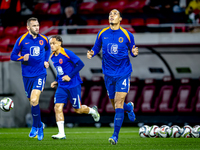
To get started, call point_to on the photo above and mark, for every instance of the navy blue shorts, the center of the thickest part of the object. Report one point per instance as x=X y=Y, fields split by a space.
x=31 y=83
x=73 y=94
x=117 y=84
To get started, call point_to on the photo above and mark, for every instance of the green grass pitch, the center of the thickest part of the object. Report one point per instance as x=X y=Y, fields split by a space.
x=91 y=138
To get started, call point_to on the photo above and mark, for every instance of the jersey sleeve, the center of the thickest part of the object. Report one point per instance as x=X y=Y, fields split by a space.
x=14 y=55
x=73 y=57
x=131 y=44
x=97 y=46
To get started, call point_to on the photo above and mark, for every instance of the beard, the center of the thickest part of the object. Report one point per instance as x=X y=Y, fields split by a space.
x=33 y=32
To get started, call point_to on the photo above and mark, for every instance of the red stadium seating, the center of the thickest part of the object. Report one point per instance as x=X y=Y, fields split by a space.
x=4 y=58
x=147 y=97
x=54 y=9
x=119 y=5
x=137 y=22
x=196 y=99
x=86 y=8
x=134 y=6
x=41 y=8
x=22 y=30
x=152 y=21
x=11 y=31
x=165 y=96
x=46 y=23
x=104 y=22
x=102 y=7
x=1 y=31
x=183 y=96
x=4 y=42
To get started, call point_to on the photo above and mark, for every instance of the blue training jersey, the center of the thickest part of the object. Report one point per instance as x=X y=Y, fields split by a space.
x=64 y=63
x=38 y=50
x=115 y=45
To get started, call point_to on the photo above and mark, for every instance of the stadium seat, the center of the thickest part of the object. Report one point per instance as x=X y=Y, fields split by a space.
x=94 y=97
x=196 y=99
x=102 y=7
x=86 y=8
x=41 y=8
x=146 y=100
x=152 y=21
x=4 y=42
x=1 y=31
x=183 y=96
x=165 y=97
x=119 y=5
x=104 y=22
x=4 y=58
x=11 y=31
x=137 y=22
x=46 y=23
x=134 y=6
x=22 y=30
x=54 y=9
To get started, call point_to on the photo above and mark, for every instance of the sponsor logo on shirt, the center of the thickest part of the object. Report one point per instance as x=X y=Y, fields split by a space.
x=34 y=50
x=112 y=48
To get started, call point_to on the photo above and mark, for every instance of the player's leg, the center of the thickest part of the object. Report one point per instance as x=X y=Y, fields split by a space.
x=60 y=100
x=37 y=89
x=119 y=116
x=75 y=99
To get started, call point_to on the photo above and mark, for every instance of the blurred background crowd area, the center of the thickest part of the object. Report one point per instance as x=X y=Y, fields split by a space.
x=137 y=13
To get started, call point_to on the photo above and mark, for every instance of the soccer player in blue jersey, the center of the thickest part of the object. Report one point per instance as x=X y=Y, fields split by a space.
x=69 y=82
x=34 y=49
x=116 y=42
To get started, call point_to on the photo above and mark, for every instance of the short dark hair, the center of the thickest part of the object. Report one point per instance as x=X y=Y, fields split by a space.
x=31 y=19
x=58 y=38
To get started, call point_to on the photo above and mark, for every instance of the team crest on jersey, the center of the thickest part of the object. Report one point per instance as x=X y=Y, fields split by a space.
x=60 y=61
x=35 y=51
x=41 y=42
x=121 y=39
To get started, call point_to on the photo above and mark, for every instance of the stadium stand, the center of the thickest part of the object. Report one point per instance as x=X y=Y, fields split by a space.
x=41 y=8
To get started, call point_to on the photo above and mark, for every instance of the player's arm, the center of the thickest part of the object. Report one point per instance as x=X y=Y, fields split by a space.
x=14 y=55
x=133 y=49
x=96 y=48
x=78 y=66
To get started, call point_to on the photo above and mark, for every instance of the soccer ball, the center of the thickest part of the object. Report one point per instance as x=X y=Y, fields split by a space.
x=144 y=131
x=153 y=131
x=196 y=131
x=180 y=129
x=175 y=132
x=164 y=131
x=6 y=104
x=187 y=131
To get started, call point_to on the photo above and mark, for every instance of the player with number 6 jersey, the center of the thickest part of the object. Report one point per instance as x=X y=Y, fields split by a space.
x=34 y=50
x=116 y=42
x=69 y=82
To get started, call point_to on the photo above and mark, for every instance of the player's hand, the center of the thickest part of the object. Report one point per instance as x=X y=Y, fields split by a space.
x=46 y=64
x=66 y=78
x=90 y=54
x=135 y=50
x=26 y=57
x=53 y=84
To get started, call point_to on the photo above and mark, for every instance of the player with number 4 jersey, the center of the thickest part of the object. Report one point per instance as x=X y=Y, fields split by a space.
x=116 y=42
x=69 y=82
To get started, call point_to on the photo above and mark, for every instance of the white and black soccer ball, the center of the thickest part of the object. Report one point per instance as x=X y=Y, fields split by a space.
x=164 y=131
x=153 y=131
x=6 y=104
x=175 y=132
x=144 y=131
x=187 y=131
x=180 y=129
x=196 y=131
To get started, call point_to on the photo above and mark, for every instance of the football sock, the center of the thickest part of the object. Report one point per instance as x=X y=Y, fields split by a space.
x=127 y=107
x=35 y=110
x=60 y=125
x=119 y=118
x=91 y=111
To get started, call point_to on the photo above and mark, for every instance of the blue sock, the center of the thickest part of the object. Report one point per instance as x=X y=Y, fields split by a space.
x=127 y=107
x=119 y=118
x=35 y=110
